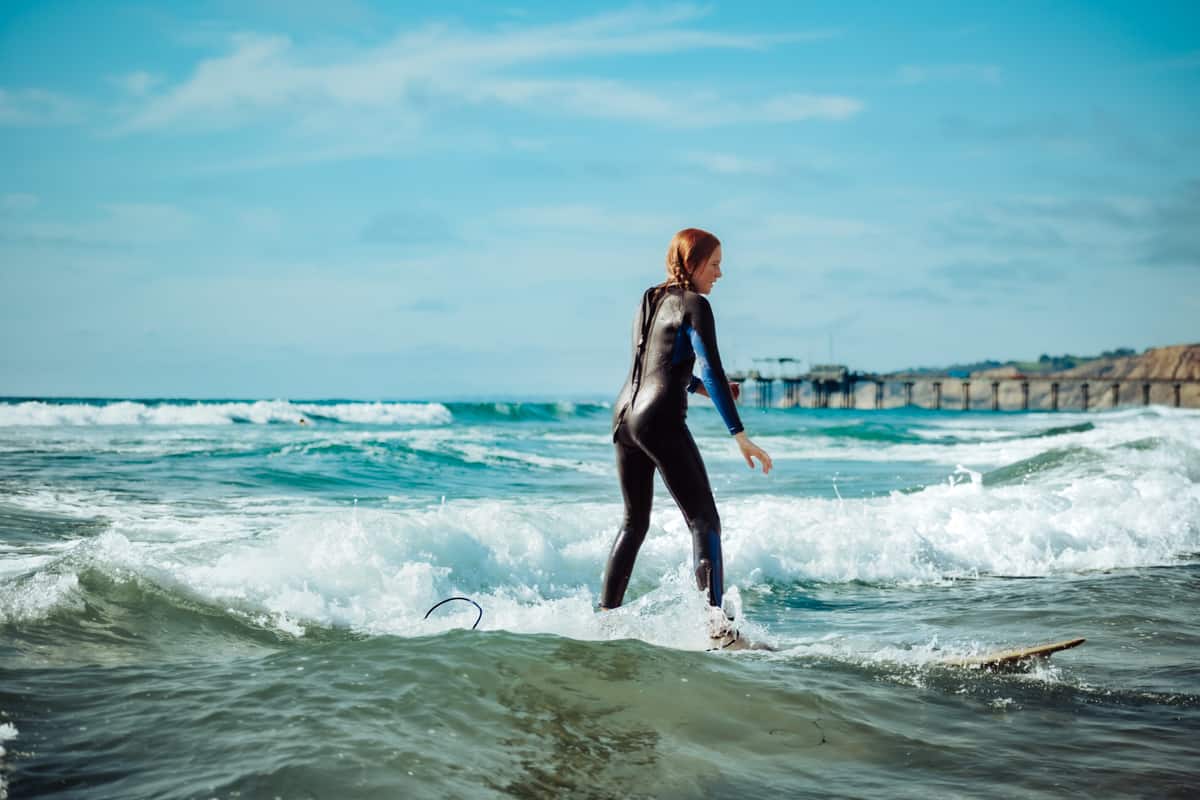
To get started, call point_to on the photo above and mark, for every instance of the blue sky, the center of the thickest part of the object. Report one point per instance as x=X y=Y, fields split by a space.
x=304 y=199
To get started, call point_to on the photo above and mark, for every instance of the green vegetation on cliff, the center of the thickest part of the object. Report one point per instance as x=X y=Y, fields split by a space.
x=1045 y=364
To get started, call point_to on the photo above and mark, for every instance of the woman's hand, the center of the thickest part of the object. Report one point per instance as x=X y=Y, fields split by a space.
x=751 y=451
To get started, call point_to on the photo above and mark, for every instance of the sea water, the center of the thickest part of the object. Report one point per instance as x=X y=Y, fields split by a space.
x=227 y=599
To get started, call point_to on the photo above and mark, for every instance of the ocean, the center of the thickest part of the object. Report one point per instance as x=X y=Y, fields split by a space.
x=211 y=599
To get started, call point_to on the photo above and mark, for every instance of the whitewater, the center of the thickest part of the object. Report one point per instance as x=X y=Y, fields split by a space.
x=227 y=598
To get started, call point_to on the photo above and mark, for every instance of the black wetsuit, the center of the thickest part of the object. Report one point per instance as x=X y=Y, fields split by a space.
x=673 y=329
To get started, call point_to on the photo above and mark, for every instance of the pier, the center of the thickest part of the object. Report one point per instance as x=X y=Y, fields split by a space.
x=836 y=386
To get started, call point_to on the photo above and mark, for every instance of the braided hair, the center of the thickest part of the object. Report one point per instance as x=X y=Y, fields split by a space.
x=688 y=251
x=677 y=272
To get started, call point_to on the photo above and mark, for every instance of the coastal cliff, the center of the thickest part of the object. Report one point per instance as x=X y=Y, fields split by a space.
x=1175 y=362
x=1180 y=361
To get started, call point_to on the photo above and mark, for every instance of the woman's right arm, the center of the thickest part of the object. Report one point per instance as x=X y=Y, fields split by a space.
x=701 y=329
x=751 y=451
x=704 y=342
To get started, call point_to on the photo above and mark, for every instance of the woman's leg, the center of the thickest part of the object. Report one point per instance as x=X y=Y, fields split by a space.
x=678 y=460
x=636 y=473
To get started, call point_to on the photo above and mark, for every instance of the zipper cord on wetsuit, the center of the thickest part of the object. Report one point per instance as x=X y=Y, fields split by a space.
x=651 y=303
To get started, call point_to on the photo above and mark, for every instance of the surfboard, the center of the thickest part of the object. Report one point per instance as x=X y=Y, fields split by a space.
x=1012 y=659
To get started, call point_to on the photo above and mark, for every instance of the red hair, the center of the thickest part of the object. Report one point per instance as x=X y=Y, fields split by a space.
x=689 y=249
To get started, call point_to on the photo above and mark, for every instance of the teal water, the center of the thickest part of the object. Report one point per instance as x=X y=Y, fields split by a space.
x=210 y=599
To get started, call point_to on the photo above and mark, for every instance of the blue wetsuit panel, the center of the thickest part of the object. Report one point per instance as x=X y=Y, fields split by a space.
x=714 y=381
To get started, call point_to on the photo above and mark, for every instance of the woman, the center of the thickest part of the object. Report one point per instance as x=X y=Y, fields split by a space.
x=673 y=330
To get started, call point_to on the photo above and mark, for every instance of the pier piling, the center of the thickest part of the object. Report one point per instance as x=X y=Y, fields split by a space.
x=826 y=380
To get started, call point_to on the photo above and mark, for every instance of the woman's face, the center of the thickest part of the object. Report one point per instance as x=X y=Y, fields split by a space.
x=707 y=273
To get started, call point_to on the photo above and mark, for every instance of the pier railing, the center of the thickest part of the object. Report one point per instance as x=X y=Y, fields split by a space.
x=837 y=388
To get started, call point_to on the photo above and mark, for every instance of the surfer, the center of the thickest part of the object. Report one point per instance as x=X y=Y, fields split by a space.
x=673 y=330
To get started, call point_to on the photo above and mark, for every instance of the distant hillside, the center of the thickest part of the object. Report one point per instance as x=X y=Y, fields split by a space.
x=1123 y=366
x=1176 y=361
x=957 y=370
x=1047 y=364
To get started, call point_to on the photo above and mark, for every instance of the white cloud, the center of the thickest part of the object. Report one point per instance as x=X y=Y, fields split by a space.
x=137 y=83
x=730 y=164
x=120 y=225
x=584 y=217
x=607 y=99
x=1100 y=230
x=810 y=226
x=32 y=107
x=149 y=221
x=261 y=221
x=437 y=66
x=797 y=107
x=18 y=201
x=529 y=144
x=584 y=97
x=913 y=73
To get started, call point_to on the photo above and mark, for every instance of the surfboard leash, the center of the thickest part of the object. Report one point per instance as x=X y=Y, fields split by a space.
x=465 y=599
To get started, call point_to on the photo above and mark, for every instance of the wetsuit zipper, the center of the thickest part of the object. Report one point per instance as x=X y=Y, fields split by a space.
x=639 y=363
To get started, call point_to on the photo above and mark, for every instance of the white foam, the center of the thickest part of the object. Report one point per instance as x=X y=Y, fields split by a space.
x=25 y=600
x=14 y=562
x=535 y=564
x=990 y=449
x=1088 y=523
x=480 y=445
x=171 y=522
x=8 y=732
x=382 y=413
x=36 y=412
x=483 y=454
x=76 y=503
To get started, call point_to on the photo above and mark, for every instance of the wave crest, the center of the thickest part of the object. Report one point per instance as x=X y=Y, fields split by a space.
x=261 y=412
